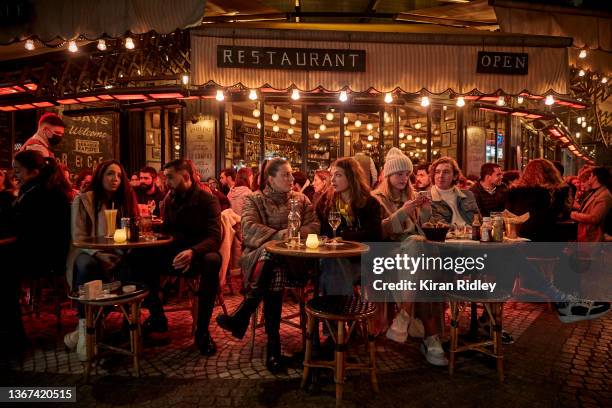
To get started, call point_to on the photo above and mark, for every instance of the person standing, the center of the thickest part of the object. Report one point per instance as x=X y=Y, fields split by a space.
x=366 y=163
x=489 y=192
x=592 y=213
x=147 y=191
x=49 y=133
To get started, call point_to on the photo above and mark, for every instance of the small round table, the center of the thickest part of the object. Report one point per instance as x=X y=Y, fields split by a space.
x=129 y=306
x=108 y=244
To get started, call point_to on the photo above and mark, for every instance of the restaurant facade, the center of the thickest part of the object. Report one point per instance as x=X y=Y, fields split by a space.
x=313 y=93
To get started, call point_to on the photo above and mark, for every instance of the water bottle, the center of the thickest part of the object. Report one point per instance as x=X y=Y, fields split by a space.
x=294 y=222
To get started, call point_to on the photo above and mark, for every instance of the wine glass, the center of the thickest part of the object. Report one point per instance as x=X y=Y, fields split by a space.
x=151 y=205
x=334 y=221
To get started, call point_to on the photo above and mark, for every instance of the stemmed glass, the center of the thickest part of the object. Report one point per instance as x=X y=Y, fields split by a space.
x=151 y=205
x=334 y=221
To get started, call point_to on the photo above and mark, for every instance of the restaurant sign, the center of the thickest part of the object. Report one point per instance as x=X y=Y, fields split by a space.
x=306 y=59
x=507 y=63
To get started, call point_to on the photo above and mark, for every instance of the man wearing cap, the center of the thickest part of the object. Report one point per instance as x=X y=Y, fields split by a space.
x=50 y=133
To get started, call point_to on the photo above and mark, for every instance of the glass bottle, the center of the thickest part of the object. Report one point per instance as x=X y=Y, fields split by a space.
x=485 y=230
x=476 y=228
x=294 y=222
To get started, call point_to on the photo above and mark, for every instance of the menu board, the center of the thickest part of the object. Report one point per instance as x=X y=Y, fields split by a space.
x=200 y=146
x=6 y=141
x=475 y=150
x=88 y=140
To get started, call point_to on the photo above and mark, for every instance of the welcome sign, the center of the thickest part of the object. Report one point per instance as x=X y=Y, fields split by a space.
x=306 y=59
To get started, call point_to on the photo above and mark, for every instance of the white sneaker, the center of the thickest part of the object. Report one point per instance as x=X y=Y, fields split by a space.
x=577 y=310
x=81 y=347
x=433 y=351
x=71 y=339
x=399 y=328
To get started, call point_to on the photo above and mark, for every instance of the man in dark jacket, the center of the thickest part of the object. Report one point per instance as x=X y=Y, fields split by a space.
x=489 y=192
x=192 y=217
x=148 y=191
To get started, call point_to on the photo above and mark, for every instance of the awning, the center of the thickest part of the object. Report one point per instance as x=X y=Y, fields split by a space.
x=50 y=20
x=411 y=60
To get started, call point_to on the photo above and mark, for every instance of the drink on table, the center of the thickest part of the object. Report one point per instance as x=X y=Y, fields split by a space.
x=294 y=222
x=334 y=221
x=110 y=217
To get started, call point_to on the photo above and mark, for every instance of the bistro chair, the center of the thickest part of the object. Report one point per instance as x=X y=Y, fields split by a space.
x=342 y=310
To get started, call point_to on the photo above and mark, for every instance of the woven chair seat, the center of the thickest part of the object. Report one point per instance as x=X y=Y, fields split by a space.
x=340 y=307
x=475 y=296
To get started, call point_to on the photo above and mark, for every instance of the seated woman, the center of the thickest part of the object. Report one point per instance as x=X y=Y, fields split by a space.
x=320 y=183
x=41 y=224
x=360 y=213
x=264 y=218
x=238 y=194
x=400 y=210
x=109 y=188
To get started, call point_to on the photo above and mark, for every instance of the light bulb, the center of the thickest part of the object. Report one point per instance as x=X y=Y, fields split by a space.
x=581 y=73
x=275 y=117
x=578 y=135
x=444 y=108
x=329 y=116
x=346 y=120
x=253 y=95
x=295 y=94
x=102 y=45
x=292 y=120
x=316 y=135
x=347 y=132
x=460 y=101
x=435 y=152
x=424 y=101
x=416 y=154
x=177 y=147
x=290 y=131
x=220 y=97
x=578 y=120
x=29 y=45
x=370 y=138
x=582 y=54
x=604 y=80
x=424 y=150
x=129 y=43
x=409 y=137
x=403 y=145
x=388 y=97
x=424 y=141
x=258 y=125
x=589 y=129
x=417 y=139
x=256 y=113
x=322 y=127
x=387 y=119
x=275 y=128
x=550 y=100
x=519 y=100
x=401 y=135
x=357 y=123
x=185 y=79
x=417 y=126
x=369 y=126
x=385 y=133
x=411 y=154
x=584 y=124
x=343 y=97
x=72 y=46
x=369 y=145
x=501 y=101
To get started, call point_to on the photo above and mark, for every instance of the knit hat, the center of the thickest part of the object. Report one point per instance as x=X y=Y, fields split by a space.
x=396 y=161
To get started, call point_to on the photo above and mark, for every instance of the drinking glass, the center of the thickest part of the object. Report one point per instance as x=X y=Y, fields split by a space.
x=334 y=221
x=151 y=205
x=146 y=228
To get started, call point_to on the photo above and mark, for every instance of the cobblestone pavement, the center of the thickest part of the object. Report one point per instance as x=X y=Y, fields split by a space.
x=550 y=364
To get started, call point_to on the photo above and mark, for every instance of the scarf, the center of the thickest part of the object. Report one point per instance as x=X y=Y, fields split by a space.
x=346 y=211
x=277 y=197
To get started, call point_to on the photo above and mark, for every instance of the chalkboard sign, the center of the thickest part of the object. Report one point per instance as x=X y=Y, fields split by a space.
x=88 y=140
x=6 y=141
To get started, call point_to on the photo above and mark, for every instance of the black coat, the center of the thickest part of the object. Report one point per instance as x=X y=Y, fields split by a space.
x=367 y=226
x=194 y=220
x=42 y=227
x=543 y=206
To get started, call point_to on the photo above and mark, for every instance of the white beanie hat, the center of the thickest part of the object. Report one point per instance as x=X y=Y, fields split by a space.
x=396 y=161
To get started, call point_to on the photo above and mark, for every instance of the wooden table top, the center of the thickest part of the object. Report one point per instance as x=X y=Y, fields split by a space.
x=346 y=250
x=7 y=240
x=103 y=243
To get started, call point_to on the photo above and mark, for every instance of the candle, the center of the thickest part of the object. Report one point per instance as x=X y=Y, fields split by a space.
x=312 y=241
x=120 y=235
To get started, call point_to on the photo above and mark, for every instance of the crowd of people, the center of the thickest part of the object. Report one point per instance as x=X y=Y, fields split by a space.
x=44 y=210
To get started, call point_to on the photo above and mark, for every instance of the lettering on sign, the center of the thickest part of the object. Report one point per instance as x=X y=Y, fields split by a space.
x=304 y=59
x=200 y=146
x=506 y=63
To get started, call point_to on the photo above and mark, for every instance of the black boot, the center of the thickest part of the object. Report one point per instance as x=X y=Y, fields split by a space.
x=238 y=323
x=273 y=304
